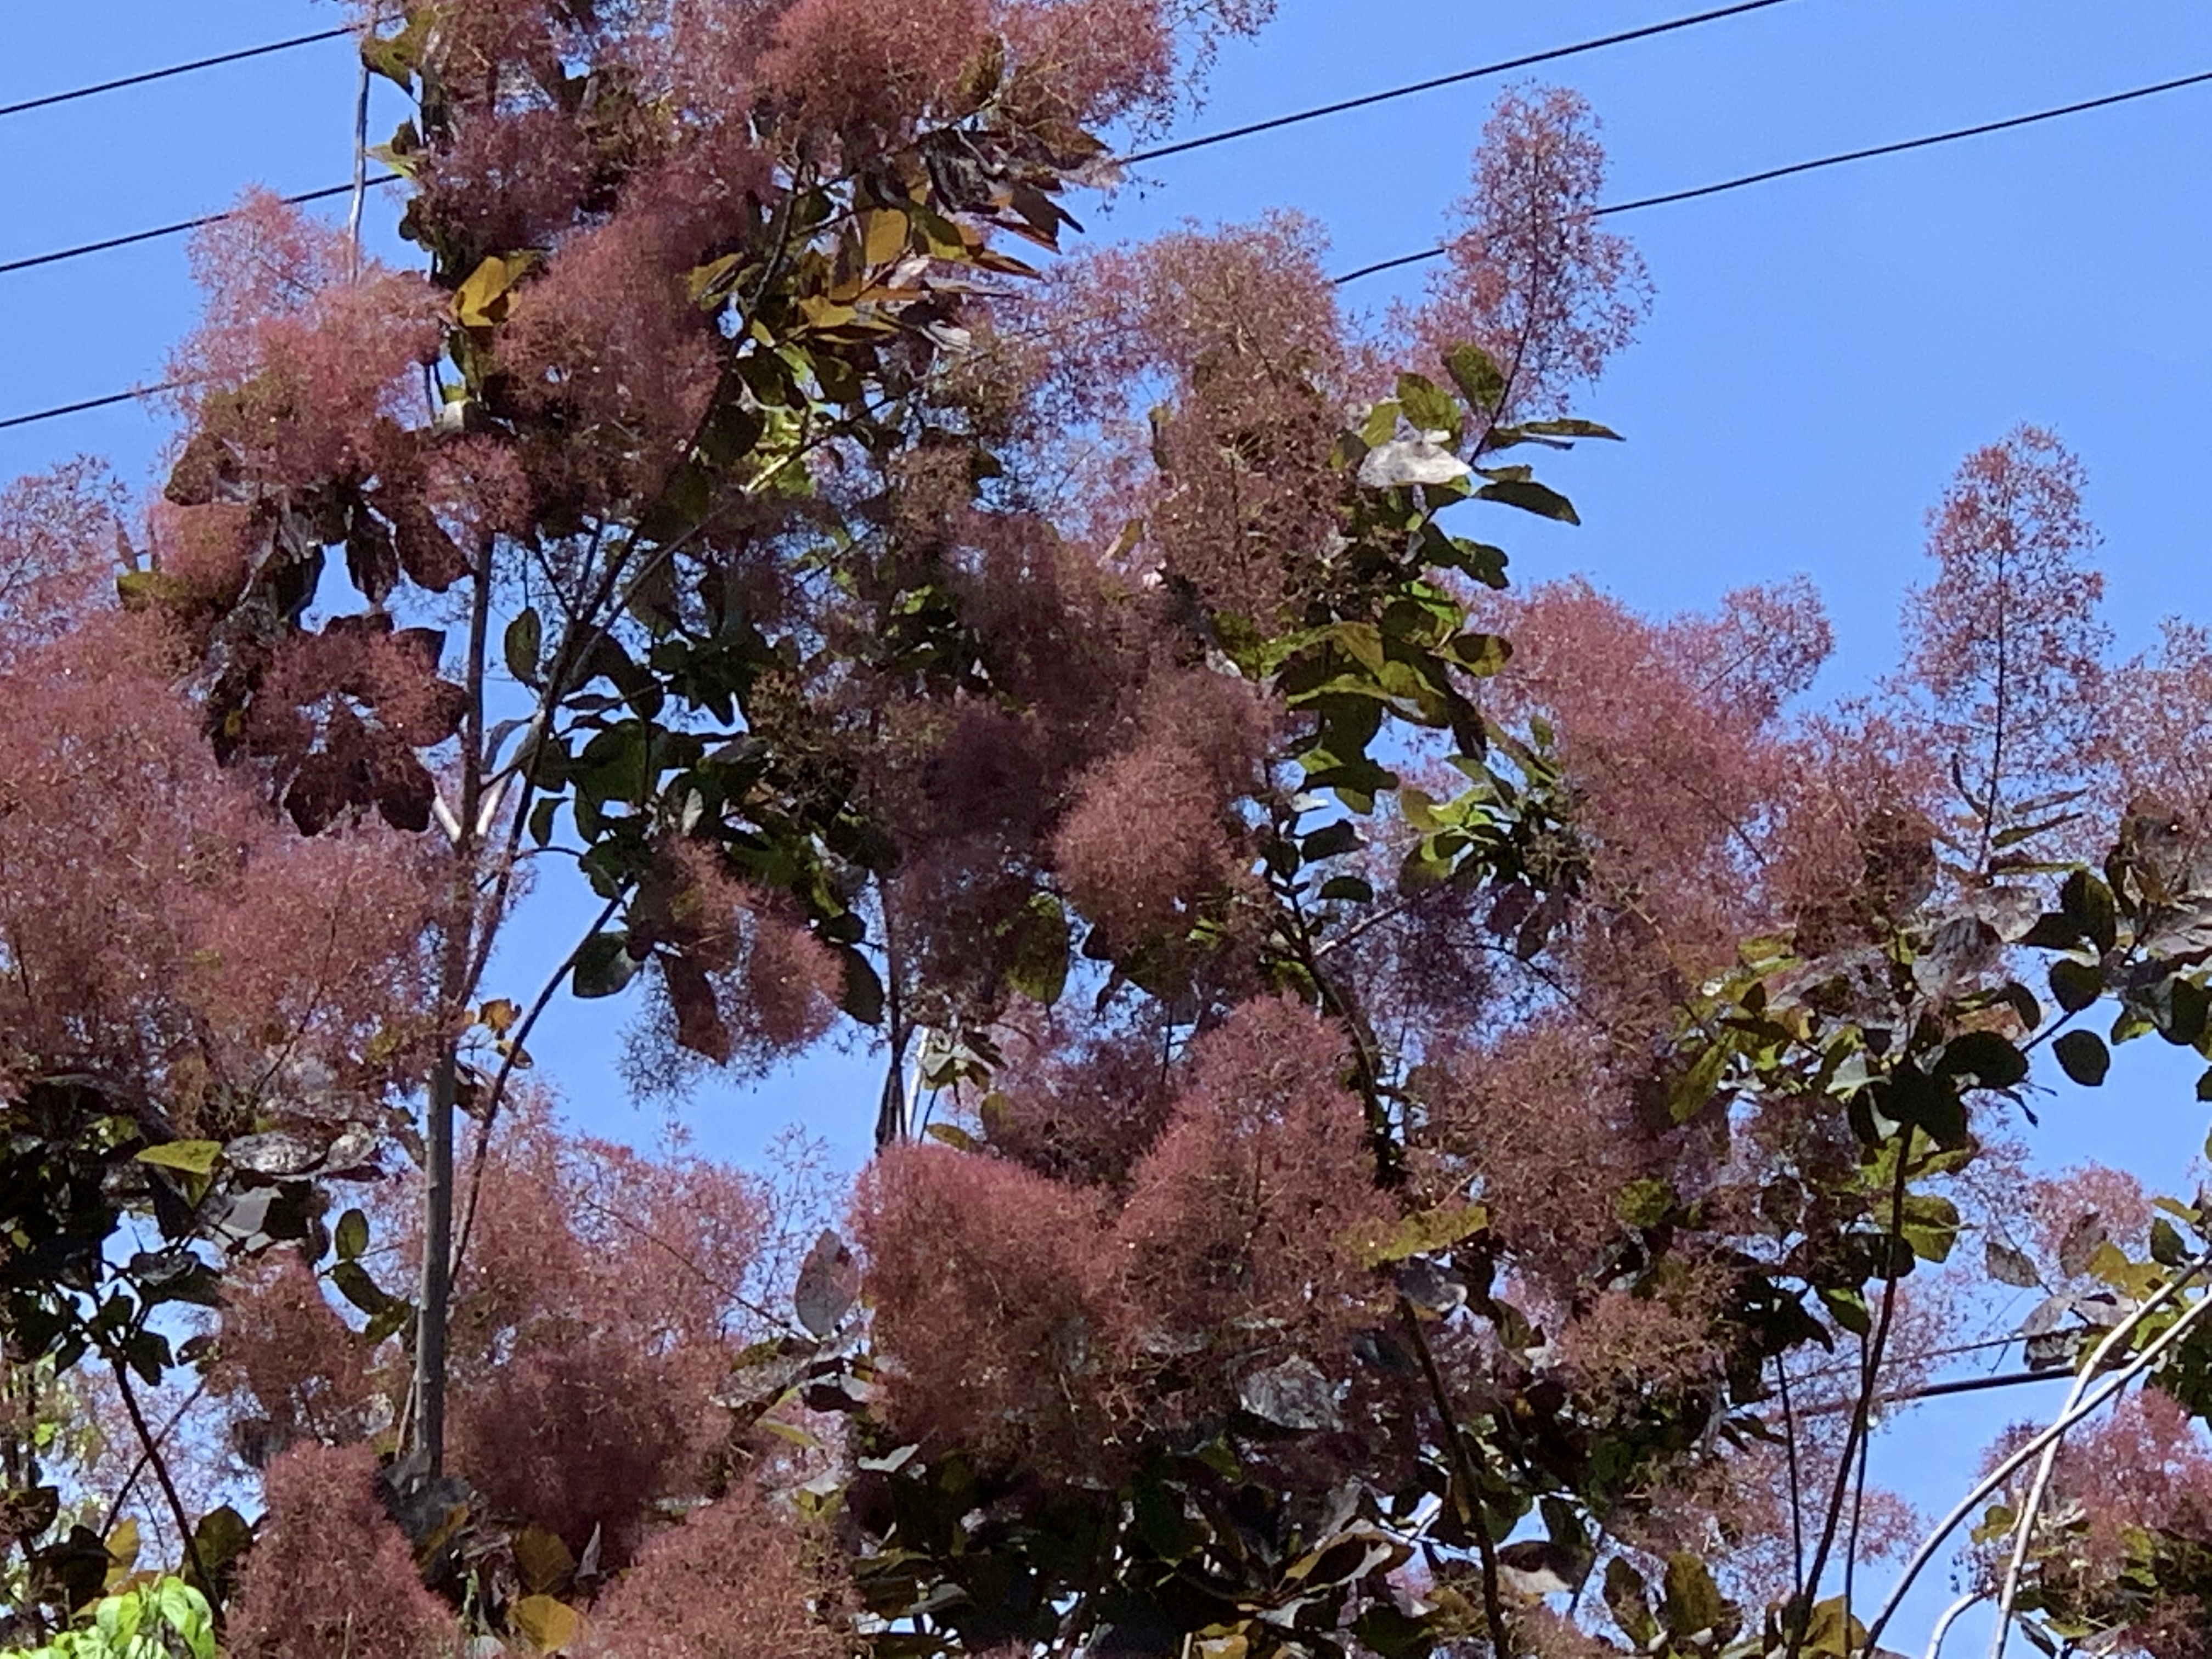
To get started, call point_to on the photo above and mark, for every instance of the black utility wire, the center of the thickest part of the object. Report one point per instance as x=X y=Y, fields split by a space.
x=1836 y=160
x=1403 y=259
x=1183 y=146
x=141 y=79
x=176 y=229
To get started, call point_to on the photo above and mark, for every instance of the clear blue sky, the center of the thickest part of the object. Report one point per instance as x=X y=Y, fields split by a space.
x=1823 y=351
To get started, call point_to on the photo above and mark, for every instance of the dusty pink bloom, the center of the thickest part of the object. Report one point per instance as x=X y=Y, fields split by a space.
x=295 y=361
x=1853 y=845
x=1538 y=1129
x=607 y=341
x=2155 y=739
x=1533 y=278
x=1234 y=1240
x=1089 y=61
x=329 y=1576
x=595 y=1316
x=2003 y=649
x=988 y=1283
x=58 y=537
x=734 y=1580
x=1238 y=329
x=1666 y=730
x=847 y=63
x=284 y=1354
x=738 y=981
x=1084 y=1113
x=1150 y=833
x=164 y=931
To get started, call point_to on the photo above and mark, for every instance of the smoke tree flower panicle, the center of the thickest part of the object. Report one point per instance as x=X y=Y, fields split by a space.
x=992 y=1299
x=329 y=1576
x=734 y=1579
x=1531 y=276
x=2004 y=652
x=1236 y=1234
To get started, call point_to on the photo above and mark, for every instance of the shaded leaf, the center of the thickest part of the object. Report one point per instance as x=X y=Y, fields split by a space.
x=2010 y=1267
x=829 y=1283
x=2083 y=1057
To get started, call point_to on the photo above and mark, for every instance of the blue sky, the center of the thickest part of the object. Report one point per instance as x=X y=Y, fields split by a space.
x=1823 y=350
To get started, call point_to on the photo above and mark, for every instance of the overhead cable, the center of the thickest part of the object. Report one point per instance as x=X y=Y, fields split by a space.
x=1184 y=146
x=141 y=79
x=1376 y=269
x=1669 y=198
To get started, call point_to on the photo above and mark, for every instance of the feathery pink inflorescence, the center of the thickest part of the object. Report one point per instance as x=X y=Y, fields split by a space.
x=1532 y=276
x=735 y=1579
x=329 y=1575
x=1233 y=1241
x=993 y=1300
x=297 y=359
x=2003 y=650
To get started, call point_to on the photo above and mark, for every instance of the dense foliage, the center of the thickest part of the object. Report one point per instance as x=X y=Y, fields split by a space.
x=1417 y=1116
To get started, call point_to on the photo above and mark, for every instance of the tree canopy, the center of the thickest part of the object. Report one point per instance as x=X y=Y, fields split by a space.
x=1419 y=1116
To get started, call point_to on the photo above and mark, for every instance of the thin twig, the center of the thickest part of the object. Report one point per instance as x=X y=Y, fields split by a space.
x=508 y=1063
x=1493 y=1603
x=2025 y=1526
x=153 y=1452
x=131 y=1480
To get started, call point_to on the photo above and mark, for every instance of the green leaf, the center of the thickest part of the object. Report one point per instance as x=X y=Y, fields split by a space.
x=2074 y=984
x=1990 y=1061
x=1038 y=966
x=351 y=1236
x=1847 y=1306
x=952 y=1135
x=1428 y=406
x=1421 y=1233
x=1355 y=890
x=1476 y=374
x=604 y=964
x=1930 y=1225
x=1530 y=497
x=192 y=1156
x=1931 y=1103
x=1331 y=840
x=863 y=993
x=524 y=639
x=2083 y=1057
x=355 y=1285
x=1693 y=1601
x=1629 y=1602
x=2166 y=1246
x=2087 y=903
x=1570 y=427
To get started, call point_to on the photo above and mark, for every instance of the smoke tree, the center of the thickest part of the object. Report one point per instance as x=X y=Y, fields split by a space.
x=1418 y=1116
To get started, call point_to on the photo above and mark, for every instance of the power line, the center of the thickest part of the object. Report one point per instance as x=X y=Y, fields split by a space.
x=1179 y=147
x=1813 y=166
x=1376 y=269
x=141 y=78
x=176 y=229
x=91 y=403
x=1184 y=146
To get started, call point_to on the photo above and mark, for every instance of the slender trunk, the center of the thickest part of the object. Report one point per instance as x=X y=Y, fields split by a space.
x=455 y=977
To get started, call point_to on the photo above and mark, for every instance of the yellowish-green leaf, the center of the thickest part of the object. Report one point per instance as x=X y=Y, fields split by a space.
x=481 y=301
x=542 y=1560
x=1418 y=1234
x=882 y=235
x=192 y=1156
x=954 y=1136
x=547 y=1624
